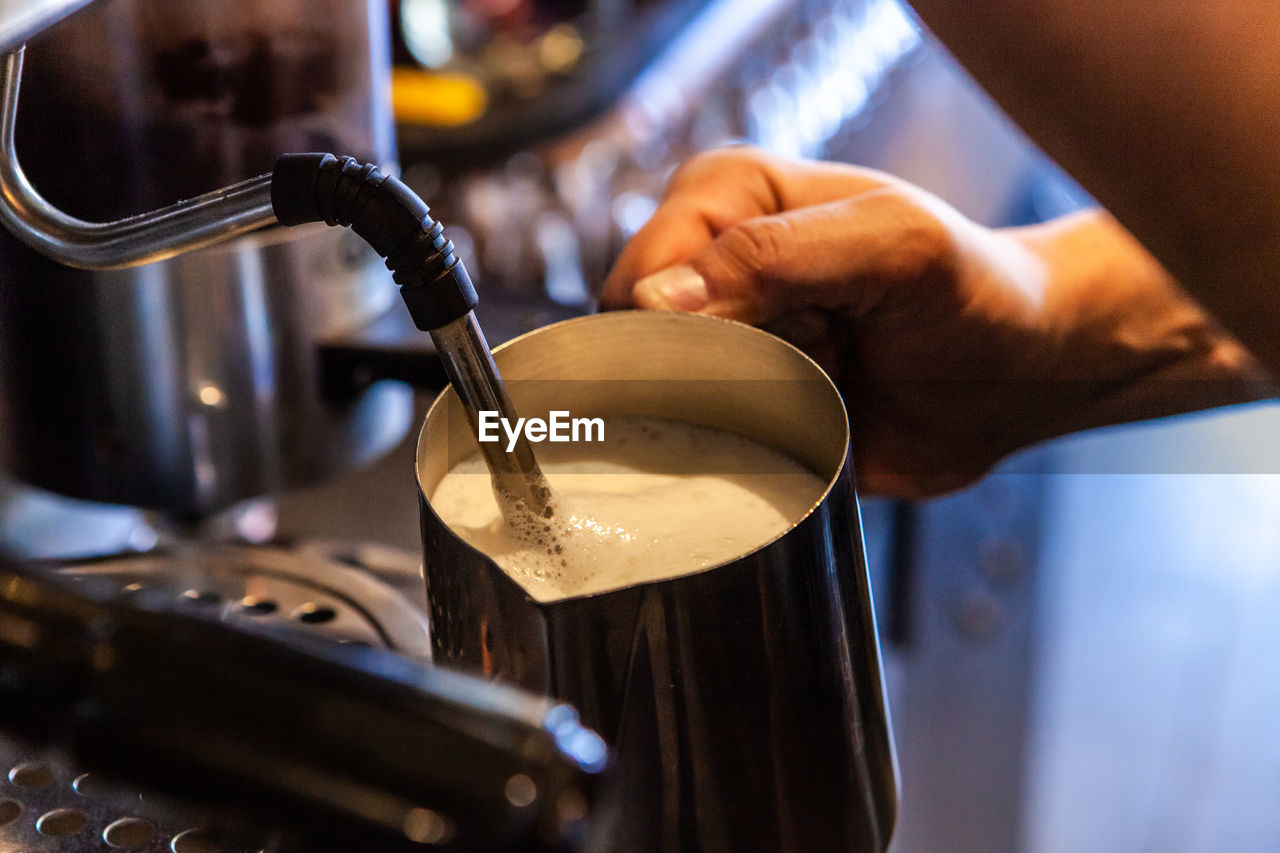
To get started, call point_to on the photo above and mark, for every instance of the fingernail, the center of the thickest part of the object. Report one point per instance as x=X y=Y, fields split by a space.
x=677 y=288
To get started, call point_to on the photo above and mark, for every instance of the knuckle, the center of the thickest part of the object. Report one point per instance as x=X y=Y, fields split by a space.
x=761 y=246
x=927 y=248
x=717 y=164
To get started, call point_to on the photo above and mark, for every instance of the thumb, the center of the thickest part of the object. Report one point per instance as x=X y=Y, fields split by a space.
x=731 y=276
x=676 y=288
x=830 y=255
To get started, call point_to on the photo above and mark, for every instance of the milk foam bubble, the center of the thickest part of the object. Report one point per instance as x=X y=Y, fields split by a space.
x=658 y=500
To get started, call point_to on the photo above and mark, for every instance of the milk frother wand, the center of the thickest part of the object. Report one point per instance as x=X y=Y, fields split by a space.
x=435 y=286
x=303 y=188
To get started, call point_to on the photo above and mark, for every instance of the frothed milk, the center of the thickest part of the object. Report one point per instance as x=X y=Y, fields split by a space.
x=659 y=499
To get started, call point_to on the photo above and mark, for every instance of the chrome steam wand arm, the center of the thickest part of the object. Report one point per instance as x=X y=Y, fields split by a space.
x=302 y=188
x=191 y=224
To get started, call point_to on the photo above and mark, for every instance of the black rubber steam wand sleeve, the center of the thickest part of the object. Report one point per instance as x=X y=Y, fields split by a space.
x=390 y=217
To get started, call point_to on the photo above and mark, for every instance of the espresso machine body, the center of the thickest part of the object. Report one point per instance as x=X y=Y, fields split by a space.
x=192 y=383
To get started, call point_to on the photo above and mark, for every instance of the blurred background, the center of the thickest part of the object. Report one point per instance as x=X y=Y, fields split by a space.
x=1079 y=648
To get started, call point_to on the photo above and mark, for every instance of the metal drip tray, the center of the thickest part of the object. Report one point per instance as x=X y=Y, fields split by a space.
x=48 y=805
x=346 y=593
x=370 y=597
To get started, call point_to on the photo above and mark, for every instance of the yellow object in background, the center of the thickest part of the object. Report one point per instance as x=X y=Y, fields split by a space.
x=435 y=98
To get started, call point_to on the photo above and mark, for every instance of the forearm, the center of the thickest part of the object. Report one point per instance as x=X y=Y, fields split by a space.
x=1167 y=113
x=1124 y=341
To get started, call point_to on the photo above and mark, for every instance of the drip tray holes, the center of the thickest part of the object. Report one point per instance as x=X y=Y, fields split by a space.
x=93 y=785
x=315 y=614
x=195 y=841
x=30 y=775
x=129 y=832
x=60 y=822
x=255 y=606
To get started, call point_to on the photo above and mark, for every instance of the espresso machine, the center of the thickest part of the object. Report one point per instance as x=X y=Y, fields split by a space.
x=165 y=356
x=174 y=356
x=190 y=383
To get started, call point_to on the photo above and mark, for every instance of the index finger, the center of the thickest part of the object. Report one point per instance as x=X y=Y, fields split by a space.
x=675 y=233
x=717 y=190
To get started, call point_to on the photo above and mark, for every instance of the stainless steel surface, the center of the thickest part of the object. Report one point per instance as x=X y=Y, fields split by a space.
x=745 y=702
x=21 y=19
x=192 y=383
x=132 y=105
x=142 y=239
x=967 y=653
x=49 y=804
x=209 y=218
x=81 y=812
x=301 y=590
x=471 y=371
x=202 y=221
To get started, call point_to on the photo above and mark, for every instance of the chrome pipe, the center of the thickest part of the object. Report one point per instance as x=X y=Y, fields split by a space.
x=22 y=19
x=192 y=224
x=469 y=365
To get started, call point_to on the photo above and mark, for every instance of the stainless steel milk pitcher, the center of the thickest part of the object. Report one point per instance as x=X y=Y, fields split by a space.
x=744 y=702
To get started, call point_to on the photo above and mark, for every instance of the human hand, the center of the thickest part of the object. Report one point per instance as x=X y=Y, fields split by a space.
x=953 y=344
